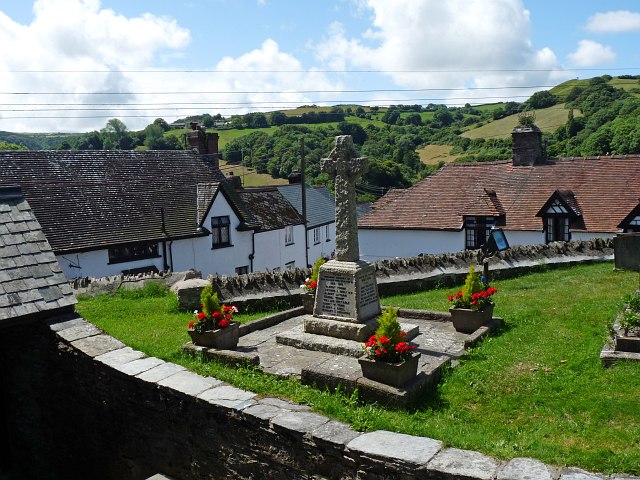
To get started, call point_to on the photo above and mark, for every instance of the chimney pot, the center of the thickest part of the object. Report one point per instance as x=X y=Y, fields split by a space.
x=295 y=177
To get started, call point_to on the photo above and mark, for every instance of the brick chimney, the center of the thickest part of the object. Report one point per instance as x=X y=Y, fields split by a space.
x=295 y=178
x=526 y=141
x=235 y=181
x=204 y=143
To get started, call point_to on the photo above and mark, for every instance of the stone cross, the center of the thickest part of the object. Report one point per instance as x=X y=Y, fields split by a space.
x=345 y=168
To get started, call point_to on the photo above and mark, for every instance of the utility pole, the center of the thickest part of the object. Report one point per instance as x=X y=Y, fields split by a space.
x=303 y=193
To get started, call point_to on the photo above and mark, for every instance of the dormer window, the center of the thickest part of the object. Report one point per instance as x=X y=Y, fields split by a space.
x=557 y=229
x=477 y=231
x=634 y=225
x=631 y=222
x=557 y=214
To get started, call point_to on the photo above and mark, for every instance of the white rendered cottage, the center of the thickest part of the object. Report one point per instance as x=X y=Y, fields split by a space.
x=532 y=198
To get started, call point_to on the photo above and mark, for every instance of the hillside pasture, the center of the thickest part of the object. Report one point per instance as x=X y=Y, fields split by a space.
x=547 y=119
x=432 y=154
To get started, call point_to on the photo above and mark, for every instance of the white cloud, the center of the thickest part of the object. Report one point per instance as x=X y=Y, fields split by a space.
x=76 y=36
x=614 y=22
x=590 y=53
x=80 y=37
x=454 y=44
x=267 y=79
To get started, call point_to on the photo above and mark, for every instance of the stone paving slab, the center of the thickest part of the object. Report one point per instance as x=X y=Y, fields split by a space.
x=189 y=382
x=97 y=344
x=456 y=463
x=414 y=451
x=116 y=358
x=525 y=469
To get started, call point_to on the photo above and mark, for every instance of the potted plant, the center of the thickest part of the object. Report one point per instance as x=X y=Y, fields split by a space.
x=628 y=336
x=310 y=286
x=214 y=327
x=389 y=358
x=472 y=306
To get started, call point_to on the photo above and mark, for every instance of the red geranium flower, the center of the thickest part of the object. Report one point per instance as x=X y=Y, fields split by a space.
x=191 y=324
x=216 y=315
x=223 y=323
x=202 y=316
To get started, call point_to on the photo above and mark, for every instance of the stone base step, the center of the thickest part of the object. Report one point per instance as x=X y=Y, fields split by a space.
x=298 y=338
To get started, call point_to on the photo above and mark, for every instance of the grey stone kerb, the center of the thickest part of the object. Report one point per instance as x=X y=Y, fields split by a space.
x=345 y=167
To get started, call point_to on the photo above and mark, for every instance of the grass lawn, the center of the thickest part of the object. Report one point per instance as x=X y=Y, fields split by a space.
x=535 y=390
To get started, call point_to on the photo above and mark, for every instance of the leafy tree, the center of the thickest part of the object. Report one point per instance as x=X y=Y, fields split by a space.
x=162 y=123
x=542 y=99
x=413 y=119
x=443 y=117
x=353 y=129
x=11 y=146
x=116 y=136
x=89 y=141
x=278 y=118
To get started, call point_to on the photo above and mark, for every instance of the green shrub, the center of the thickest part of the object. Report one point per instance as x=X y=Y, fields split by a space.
x=473 y=284
x=209 y=300
x=633 y=301
x=152 y=289
x=388 y=325
x=629 y=319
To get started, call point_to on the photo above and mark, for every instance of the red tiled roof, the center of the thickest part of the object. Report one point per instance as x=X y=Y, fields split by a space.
x=605 y=190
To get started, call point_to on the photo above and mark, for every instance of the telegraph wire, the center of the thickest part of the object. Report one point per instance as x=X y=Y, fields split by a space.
x=209 y=71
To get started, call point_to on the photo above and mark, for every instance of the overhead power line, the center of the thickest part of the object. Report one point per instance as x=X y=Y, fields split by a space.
x=433 y=70
x=288 y=92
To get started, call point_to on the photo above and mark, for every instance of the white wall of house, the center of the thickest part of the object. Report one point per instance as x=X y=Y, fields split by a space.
x=524 y=237
x=377 y=244
x=589 y=236
x=273 y=253
x=199 y=254
x=326 y=245
x=95 y=264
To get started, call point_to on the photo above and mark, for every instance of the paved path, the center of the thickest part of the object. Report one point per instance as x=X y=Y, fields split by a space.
x=437 y=341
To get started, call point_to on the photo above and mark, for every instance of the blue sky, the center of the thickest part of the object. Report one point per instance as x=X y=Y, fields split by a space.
x=70 y=65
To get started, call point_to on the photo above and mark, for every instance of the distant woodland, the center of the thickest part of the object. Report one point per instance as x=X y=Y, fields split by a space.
x=602 y=118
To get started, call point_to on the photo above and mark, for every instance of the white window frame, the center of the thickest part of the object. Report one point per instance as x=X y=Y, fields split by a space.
x=316 y=235
x=288 y=235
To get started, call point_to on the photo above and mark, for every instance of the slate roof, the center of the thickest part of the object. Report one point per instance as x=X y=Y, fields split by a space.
x=207 y=193
x=602 y=189
x=269 y=208
x=31 y=281
x=321 y=204
x=91 y=199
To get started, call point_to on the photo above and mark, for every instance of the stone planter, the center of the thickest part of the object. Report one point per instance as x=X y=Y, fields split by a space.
x=468 y=321
x=308 y=301
x=222 y=338
x=627 y=344
x=394 y=374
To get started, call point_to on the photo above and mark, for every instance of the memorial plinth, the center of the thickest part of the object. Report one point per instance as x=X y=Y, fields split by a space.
x=347 y=291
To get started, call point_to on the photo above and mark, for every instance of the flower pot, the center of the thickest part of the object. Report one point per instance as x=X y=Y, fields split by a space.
x=394 y=374
x=308 y=301
x=625 y=343
x=221 y=338
x=468 y=321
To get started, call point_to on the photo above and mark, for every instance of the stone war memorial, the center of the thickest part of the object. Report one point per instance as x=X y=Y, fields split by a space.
x=347 y=290
x=328 y=343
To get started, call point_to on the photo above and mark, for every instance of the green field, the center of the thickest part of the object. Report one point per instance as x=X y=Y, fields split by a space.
x=548 y=119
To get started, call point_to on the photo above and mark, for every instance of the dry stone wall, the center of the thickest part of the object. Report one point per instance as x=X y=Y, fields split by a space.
x=272 y=289
x=83 y=405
